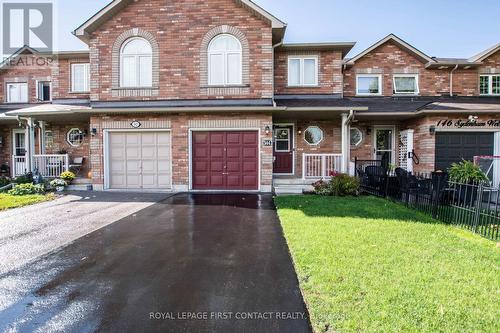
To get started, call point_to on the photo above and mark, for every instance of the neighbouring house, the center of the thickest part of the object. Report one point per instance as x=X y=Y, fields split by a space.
x=206 y=96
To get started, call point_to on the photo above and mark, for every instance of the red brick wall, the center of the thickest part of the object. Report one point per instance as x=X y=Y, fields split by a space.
x=5 y=148
x=493 y=61
x=179 y=28
x=179 y=126
x=329 y=76
x=389 y=59
x=61 y=85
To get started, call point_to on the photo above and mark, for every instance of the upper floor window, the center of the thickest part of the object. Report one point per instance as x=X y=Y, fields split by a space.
x=489 y=84
x=369 y=84
x=302 y=71
x=17 y=92
x=224 y=61
x=80 y=78
x=406 y=84
x=43 y=91
x=136 y=58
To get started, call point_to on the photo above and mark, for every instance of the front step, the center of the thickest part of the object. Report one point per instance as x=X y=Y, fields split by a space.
x=292 y=189
x=79 y=187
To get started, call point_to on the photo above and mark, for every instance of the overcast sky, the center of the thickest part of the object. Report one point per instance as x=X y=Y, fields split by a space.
x=443 y=28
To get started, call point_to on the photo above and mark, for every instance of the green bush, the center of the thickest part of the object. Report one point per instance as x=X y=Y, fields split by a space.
x=4 y=181
x=24 y=179
x=27 y=189
x=340 y=185
x=467 y=172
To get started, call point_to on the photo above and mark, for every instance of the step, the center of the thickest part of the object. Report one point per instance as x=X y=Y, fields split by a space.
x=81 y=181
x=79 y=187
x=292 y=189
x=293 y=181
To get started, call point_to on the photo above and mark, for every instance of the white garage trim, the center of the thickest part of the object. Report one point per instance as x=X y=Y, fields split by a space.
x=106 y=156
x=496 y=167
x=190 y=152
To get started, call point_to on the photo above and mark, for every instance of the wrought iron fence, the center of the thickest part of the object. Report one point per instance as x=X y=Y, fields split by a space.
x=473 y=206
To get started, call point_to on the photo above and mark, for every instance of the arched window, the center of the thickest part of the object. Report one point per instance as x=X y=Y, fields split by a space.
x=224 y=61
x=136 y=58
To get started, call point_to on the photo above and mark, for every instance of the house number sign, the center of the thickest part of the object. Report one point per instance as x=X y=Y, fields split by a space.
x=135 y=124
x=267 y=143
x=468 y=123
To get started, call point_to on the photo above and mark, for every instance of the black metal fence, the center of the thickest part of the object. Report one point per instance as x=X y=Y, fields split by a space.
x=472 y=206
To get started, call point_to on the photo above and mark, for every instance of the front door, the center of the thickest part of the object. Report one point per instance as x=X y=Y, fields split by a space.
x=19 y=152
x=384 y=144
x=283 y=150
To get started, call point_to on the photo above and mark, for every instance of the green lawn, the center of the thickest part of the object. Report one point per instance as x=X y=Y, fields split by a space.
x=10 y=201
x=369 y=265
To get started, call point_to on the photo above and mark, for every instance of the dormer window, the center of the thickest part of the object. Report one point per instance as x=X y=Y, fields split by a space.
x=406 y=84
x=369 y=85
x=136 y=64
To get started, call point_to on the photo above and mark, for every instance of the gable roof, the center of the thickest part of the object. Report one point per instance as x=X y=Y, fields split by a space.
x=29 y=50
x=115 y=6
x=419 y=54
x=485 y=54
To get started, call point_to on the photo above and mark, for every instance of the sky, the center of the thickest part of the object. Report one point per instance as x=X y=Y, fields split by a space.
x=441 y=28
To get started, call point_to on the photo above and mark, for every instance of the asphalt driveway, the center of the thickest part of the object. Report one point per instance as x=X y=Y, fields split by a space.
x=190 y=263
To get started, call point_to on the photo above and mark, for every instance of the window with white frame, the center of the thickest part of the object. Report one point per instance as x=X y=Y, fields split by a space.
x=313 y=135
x=369 y=84
x=356 y=137
x=43 y=91
x=225 y=61
x=406 y=84
x=80 y=77
x=17 y=92
x=75 y=137
x=282 y=140
x=489 y=84
x=136 y=59
x=302 y=71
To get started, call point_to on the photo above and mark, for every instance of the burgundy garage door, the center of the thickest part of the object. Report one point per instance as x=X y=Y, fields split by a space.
x=225 y=160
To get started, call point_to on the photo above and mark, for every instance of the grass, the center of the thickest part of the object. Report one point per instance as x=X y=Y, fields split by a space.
x=369 y=265
x=8 y=201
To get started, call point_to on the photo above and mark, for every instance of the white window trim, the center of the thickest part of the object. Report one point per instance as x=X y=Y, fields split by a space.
x=287 y=140
x=225 y=68
x=301 y=71
x=39 y=91
x=322 y=136
x=137 y=65
x=87 y=78
x=361 y=137
x=490 y=84
x=380 y=87
x=417 y=86
x=7 y=92
x=67 y=137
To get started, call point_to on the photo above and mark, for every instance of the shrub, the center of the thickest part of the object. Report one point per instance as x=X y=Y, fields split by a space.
x=4 y=181
x=58 y=182
x=24 y=179
x=467 y=172
x=27 y=189
x=340 y=185
x=68 y=176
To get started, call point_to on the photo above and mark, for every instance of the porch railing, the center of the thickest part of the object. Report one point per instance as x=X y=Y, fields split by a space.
x=320 y=165
x=49 y=166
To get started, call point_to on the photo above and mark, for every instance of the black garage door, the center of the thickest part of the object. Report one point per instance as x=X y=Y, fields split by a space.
x=453 y=147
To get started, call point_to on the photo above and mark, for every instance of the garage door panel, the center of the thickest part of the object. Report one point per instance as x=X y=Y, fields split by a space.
x=228 y=153
x=452 y=147
x=201 y=152
x=140 y=160
x=200 y=166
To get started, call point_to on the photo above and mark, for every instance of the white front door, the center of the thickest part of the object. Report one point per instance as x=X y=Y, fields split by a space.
x=139 y=160
x=384 y=144
x=19 y=166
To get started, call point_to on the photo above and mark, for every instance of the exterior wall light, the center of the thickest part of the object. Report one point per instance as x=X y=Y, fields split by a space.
x=432 y=130
x=267 y=130
x=94 y=131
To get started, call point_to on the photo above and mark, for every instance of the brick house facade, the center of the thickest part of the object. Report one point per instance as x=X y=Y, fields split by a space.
x=313 y=91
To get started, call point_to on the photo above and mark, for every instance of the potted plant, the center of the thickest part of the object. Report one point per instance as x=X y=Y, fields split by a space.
x=68 y=176
x=58 y=184
x=466 y=176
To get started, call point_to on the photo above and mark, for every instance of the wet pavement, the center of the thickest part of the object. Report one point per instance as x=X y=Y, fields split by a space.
x=190 y=263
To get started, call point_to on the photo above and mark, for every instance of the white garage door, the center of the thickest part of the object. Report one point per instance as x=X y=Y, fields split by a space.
x=139 y=160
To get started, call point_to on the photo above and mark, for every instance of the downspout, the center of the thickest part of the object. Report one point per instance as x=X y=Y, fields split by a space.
x=274 y=49
x=451 y=80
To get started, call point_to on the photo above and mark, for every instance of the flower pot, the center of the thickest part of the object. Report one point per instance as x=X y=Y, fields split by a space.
x=59 y=188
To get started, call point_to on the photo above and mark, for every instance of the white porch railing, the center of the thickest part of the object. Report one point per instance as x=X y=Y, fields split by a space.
x=320 y=165
x=49 y=166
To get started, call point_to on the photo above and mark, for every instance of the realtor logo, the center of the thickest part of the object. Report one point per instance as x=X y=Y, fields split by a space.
x=27 y=24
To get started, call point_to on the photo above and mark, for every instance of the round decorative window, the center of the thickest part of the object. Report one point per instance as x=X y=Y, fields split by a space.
x=313 y=135
x=356 y=137
x=75 y=137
